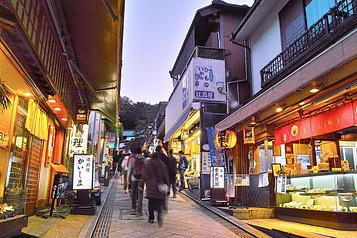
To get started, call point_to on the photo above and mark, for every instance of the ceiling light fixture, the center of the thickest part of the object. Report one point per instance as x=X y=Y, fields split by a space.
x=57 y=108
x=280 y=108
x=302 y=103
x=253 y=120
x=64 y=119
x=315 y=87
x=52 y=100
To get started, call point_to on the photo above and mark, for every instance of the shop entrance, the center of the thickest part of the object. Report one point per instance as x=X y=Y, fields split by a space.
x=33 y=174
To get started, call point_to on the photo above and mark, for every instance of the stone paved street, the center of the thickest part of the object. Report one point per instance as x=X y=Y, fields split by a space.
x=182 y=220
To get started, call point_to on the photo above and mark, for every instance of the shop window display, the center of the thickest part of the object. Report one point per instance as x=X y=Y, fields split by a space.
x=323 y=192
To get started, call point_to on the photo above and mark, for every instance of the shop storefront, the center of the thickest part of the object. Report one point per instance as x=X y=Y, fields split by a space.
x=30 y=141
x=319 y=174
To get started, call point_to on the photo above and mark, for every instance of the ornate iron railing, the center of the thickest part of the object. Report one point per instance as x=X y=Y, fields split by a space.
x=333 y=24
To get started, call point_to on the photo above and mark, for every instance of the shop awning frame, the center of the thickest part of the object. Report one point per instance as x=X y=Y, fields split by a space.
x=179 y=123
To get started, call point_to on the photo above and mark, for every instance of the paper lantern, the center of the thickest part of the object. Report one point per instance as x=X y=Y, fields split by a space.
x=226 y=139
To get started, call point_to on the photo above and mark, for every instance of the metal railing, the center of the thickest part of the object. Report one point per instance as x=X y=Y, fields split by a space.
x=331 y=26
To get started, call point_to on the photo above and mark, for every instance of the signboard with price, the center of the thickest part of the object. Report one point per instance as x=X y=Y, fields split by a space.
x=83 y=170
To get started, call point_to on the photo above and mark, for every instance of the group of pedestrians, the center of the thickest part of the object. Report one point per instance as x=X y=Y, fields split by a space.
x=157 y=173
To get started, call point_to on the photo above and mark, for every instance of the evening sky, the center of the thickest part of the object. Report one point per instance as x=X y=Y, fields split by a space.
x=154 y=31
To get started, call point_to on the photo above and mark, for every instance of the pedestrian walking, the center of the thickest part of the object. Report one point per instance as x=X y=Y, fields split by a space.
x=116 y=159
x=172 y=169
x=135 y=171
x=156 y=179
x=161 y=153
x=124 y=167
x=183 y=164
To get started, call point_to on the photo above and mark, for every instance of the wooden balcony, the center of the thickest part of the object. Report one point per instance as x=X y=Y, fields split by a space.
x=333 y=25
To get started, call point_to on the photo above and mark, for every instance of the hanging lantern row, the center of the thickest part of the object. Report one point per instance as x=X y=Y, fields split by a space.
x=226 y=139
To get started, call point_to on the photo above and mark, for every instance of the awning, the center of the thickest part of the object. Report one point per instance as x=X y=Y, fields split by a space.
x=323 y=123
x=179 y=123
x=96 y=31
x=59 y=168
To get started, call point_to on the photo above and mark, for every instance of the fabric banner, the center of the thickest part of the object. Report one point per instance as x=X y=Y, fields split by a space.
x=355 y=111
x=326 y=122
x=230 y=186
x=36 y=121
x=212 y=147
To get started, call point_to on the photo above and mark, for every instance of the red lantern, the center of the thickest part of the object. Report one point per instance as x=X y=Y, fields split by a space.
x=226 y=139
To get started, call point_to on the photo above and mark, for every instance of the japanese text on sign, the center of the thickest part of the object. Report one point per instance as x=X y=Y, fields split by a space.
x=83 y=172
x=217 y=177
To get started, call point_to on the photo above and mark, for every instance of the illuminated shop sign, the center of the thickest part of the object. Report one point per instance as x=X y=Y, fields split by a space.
x=83 y=171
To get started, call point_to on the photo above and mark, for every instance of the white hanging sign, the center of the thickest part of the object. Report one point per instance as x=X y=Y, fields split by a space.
x=83 y=167
x=281 y=184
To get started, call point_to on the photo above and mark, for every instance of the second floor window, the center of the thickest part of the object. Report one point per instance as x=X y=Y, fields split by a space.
x=315 y=9
x=292 y=22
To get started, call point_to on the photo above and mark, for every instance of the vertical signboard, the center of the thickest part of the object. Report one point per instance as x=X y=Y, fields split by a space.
x=79 y=142
x=83 y=170
x=217 y=177
x=206 y=163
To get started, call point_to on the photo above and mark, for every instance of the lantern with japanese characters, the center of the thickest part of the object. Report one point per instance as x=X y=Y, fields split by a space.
x=226 y=139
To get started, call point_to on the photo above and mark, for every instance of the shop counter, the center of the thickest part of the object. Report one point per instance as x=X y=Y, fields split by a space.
x=12 y=226
x=311 y=197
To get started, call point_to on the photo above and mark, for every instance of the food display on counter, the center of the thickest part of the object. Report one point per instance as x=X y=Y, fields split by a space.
x=6 y=211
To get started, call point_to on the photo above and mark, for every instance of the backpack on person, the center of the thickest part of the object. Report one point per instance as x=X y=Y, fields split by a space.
x=138 y=169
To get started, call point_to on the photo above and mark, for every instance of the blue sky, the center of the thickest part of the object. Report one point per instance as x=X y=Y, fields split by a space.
x=154 y=31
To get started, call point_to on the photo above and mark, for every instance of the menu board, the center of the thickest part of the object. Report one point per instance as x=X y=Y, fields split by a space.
x=83 y=167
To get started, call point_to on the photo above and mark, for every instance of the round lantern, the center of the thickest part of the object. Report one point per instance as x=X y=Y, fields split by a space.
x=226 y=139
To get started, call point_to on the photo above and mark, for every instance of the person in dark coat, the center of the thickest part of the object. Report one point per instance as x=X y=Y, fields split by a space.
x=155 y=174
x=172 y=168
x=161 y=153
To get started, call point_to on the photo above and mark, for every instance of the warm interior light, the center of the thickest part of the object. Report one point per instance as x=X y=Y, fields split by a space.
x=52 y=100
x=301 y=103
x=57 y=108
x=279 y=109
x=314 y=90
x=253 y=120
x=64 y=119
x=27 y=94
x=315 y=87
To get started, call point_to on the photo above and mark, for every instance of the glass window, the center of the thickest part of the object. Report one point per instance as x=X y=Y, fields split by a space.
x=292 y=22
x=315 y=9
x=265 y=157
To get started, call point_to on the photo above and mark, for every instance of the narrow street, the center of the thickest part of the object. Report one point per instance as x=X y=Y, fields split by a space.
x=184 y=219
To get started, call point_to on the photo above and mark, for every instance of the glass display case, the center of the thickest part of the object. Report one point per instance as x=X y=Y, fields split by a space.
x=334 y=192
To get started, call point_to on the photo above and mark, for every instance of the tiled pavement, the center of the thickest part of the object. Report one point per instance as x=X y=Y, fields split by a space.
x=182 y=220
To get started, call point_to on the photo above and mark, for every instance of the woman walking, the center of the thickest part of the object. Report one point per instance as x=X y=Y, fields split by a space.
x=155 y=177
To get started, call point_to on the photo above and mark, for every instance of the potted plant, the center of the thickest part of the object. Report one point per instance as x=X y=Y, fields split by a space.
x=5 y=102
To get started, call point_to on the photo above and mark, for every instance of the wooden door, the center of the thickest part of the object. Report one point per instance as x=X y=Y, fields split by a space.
x=33 y=174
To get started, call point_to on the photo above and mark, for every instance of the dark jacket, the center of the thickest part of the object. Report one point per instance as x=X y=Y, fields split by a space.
x=172 y=167
x=155 y=173
x=183 y=163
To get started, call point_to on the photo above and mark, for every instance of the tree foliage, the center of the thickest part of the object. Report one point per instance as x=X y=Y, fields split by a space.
x=136 y=116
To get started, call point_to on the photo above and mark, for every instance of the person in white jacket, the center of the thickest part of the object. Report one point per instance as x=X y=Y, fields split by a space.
x=124 y=173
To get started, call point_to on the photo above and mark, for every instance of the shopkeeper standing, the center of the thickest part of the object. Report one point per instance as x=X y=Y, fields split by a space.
x=183 y=164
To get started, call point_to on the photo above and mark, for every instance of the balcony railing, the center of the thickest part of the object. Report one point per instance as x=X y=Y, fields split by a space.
x=332 y=25
x=205 y=52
